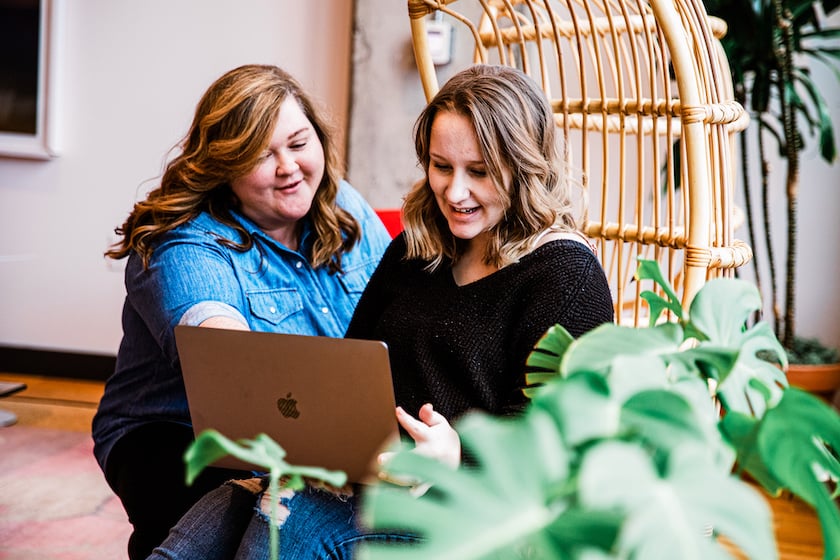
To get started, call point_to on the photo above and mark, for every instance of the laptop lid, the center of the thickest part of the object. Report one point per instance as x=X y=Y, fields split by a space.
x=328 y=402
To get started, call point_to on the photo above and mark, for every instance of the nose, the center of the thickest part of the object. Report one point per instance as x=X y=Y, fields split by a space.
x=286 y=164
x=458 y=189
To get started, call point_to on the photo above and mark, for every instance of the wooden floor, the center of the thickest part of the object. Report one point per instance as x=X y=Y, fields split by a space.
x=49 y=402
x=68 y=404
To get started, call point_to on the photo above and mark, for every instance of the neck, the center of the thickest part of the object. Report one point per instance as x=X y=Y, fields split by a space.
x=471 y=267
x=288 y=236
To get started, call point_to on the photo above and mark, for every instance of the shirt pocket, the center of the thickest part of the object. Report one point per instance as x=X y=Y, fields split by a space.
x=354 y=279
x=274 y=306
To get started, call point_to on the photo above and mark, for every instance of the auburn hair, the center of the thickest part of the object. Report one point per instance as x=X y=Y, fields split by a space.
x=232 y=126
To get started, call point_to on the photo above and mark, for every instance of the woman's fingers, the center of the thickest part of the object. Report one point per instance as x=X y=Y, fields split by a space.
x=412 y=425
x=430 y=416
x=432 y=434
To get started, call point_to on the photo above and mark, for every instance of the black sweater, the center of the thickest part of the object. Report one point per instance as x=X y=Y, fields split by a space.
x=464 y=347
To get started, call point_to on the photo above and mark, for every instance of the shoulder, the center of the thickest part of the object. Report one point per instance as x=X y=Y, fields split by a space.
x=570 y=249
x=374 y=232
x=564 y=262
x=395 y=252
x=351 y=200
x=205 y=225
x=203 y=230
x=571 y=235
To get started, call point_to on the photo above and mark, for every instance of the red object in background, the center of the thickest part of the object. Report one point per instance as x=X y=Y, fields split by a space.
x=392 y=220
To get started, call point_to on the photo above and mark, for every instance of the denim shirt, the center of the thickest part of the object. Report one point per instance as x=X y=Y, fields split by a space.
x=192 y=277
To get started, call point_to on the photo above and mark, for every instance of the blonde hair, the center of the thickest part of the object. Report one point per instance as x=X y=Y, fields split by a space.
x=516 y=131
x=233 y=124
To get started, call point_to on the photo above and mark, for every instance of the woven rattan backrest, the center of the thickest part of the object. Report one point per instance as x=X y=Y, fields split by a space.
x=642 y=93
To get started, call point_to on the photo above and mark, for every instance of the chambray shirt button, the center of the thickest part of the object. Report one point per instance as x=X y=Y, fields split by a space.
x=298 y=264
x=272 y=309
x=325 y=310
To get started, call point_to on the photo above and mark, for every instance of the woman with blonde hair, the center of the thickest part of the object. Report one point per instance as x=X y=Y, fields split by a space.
x=252 y=227
x=489 y=260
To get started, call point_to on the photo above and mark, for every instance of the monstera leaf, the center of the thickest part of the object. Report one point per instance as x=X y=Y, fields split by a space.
x=504 y=505
x=674 y=512
x=720 y=311
x=793 y=446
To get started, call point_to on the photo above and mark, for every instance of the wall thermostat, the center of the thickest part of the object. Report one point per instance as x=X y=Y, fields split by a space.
x=439 y=34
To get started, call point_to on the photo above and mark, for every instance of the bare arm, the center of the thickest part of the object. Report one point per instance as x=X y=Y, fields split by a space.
x=224 y=323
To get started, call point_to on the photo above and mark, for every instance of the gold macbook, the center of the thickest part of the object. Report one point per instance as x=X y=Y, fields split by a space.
x=328 y=402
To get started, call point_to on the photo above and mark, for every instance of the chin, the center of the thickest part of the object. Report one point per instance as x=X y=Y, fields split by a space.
x=464 y=233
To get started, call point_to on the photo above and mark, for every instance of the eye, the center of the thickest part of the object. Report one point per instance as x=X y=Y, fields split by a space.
x=299 y=145
x=478 y=172
x=441 y=166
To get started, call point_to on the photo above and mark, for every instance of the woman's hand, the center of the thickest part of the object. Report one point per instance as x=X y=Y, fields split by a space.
x=432 y=435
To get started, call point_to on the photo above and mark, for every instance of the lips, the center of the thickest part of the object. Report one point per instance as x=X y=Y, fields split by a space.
x=465 y=211
x=290 y=186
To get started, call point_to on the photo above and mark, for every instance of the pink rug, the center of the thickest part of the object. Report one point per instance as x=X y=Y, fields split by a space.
x=54 y=502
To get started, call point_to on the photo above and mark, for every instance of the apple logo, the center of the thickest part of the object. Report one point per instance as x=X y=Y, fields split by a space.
x=288 y=406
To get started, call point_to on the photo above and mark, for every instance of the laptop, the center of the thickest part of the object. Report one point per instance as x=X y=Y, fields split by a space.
x=328 y=402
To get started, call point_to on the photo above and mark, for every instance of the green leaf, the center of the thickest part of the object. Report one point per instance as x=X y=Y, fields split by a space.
x=737 y=390
x=649 y=270
x=208 y=447
x=596 y=350
x=667 y=514
x=261 y=451
x=631 y=375
x=741 y=431
x=582 y=407
x=543 y=363
x=553 y=344
x=501 y=507
x=708 y=361
x=828 y=150
x=727 y=353
x=798 y=441
x=721 y=309
x=662 y=418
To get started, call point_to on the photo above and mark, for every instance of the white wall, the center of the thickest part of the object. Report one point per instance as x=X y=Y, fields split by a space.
x=132 y=74
x=133 y=71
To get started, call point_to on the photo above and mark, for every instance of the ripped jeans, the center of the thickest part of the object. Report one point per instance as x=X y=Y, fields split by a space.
x=232 y=522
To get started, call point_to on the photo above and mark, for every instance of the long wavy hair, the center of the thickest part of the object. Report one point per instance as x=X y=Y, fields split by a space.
x=233 y=125
x=515 y=128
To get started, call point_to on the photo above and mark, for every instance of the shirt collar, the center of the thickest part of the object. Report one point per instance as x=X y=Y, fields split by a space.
x=256 y=232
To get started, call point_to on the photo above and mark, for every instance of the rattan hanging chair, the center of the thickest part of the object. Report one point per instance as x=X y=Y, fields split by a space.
x=642 y=93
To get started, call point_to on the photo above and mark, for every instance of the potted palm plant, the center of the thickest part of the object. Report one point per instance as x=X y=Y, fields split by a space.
x=771 y=45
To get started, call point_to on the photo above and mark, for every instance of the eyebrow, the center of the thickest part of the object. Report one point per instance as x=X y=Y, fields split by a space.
x=299 y=132
x=434 y=155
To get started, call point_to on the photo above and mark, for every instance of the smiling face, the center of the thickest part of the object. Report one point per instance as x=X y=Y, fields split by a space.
x=459 y=178
x=278 y=191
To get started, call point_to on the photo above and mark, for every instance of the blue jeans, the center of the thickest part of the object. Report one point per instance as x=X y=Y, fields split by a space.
x=229 y=524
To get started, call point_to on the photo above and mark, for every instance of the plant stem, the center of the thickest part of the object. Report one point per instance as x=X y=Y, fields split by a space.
x=740 y=97
x=768 y=236
x=784 y=49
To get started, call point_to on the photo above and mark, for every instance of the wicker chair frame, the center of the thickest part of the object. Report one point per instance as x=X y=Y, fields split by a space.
x=643 y=95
